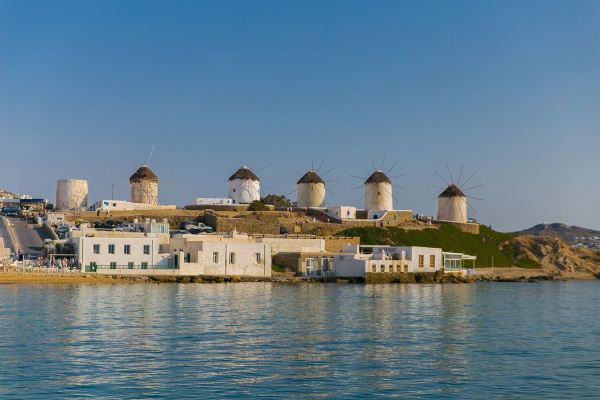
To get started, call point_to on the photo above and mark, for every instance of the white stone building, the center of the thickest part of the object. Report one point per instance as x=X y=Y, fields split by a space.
x=108 y=251
x=122 y=205
x=342 y=212
x=232 y=254
x=135 y=253
x=385 y=259
x=214 y=201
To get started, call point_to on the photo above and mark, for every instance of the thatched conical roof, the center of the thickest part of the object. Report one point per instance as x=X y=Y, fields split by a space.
x=311 y=177
x=452 y=191
x=143 y=174
x=378 y=177
x=244 y=174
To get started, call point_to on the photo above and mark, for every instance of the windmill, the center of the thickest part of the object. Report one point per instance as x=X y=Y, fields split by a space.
x=143 y=184
x=452 y=203
x=244 y=184
x=378 y=186
x=311 y=188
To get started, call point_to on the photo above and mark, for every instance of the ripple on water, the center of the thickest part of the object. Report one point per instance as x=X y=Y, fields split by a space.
x=300 y=341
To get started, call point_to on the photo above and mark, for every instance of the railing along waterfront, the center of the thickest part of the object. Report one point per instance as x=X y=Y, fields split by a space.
x=95 y=268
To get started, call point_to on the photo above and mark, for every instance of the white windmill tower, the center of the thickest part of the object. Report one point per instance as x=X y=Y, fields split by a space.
x=244 y=186
x=71 y=194
x=310 y=190
x=452 y=203
x=378 y=192
x=378 y=187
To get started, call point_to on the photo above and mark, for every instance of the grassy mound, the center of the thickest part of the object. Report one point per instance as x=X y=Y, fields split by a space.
x=487 y=245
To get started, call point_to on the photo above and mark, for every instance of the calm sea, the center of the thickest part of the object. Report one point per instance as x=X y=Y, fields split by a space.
x=485 y=340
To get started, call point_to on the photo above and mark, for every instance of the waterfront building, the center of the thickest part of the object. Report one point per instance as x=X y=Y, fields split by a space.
x=108 y=251
x=137 y=253
x=231 y=254
x=353 y=262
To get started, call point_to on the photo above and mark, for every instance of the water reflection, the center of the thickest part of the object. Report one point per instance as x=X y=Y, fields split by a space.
x=246 y=340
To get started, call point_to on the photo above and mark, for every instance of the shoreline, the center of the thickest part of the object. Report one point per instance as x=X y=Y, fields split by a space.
x=481 y=275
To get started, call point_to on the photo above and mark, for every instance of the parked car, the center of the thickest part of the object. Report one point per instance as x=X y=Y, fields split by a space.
x=186 y=223
x=198 y=228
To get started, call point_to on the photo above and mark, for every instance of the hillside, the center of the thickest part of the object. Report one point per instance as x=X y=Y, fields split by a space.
x=570 y=234
x=488 y=245
x=551 y=254
x=554 y=254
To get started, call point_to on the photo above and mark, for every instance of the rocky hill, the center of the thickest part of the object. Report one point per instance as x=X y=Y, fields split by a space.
x=554 y=254
x=570 y=234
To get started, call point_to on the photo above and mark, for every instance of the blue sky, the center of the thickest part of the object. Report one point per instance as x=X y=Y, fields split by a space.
x=510 y=89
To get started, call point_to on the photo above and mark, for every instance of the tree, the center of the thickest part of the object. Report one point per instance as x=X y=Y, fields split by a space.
x=277 y=200
x=257 y=205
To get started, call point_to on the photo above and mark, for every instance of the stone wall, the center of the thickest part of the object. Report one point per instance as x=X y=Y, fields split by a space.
x=296 y=222
x=467 y=228
x=333 y=244
x=405 y=277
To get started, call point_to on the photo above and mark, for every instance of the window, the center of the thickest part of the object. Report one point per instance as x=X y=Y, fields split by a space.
x=111 y=249
x=258 y=257
x=216 y=257
x=127 y=249
x=373 y=269
x=382 y=268
x=391 y=268
x=129 y=265
x=144 y=265
x=398 y=268
x=188 y=257
x=231 y=258
x=421 y=261
x=431 y=261
x=146 y=249
x=96 y=249
x=113 y=265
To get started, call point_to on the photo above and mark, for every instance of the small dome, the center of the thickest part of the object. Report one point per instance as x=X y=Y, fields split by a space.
x=143 y=174
x=244 y=174
x=452 y=191
x=311 y=177
x=378 y=177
